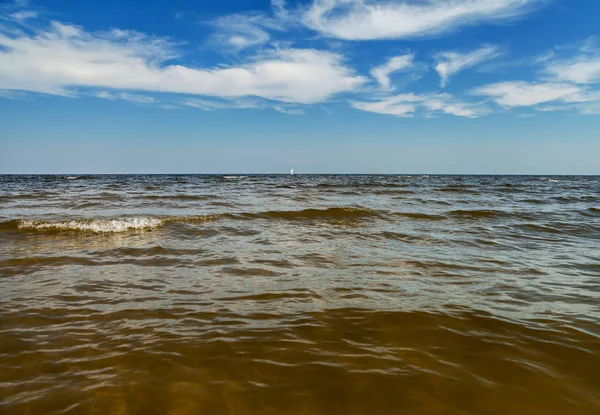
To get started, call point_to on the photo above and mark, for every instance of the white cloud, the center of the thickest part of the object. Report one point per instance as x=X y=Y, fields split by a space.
x=444 y=103
x=241 y=31
x=565 y=83
x=449 y=63
x=382 y=73
x=278 y=7
x=203 y=104
x=396 y=19
x=64 y=57
x=213 y=105
x=23 y=15
x=17 y=95
x=520 y=94
x=592 y=108
x=400 y=105
x=138 y=98
x=575 y=63
x=583 y=69
x=406 y=105
x=245 y=30
x=288 y=111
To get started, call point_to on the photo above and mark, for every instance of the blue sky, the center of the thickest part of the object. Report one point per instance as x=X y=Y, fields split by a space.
x=341 y=86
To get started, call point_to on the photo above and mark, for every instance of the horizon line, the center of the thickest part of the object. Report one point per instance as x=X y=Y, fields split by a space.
x=302 y=174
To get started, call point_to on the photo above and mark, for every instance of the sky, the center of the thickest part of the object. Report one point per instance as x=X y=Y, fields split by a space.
x=321 y=86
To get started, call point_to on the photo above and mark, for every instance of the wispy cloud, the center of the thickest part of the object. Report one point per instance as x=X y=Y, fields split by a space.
x=244 y=30
x=23 y=15
x=591 y=108
x=288 y=110
x=396 y=19
x=16 y=95
x=66 y=57
x=521 y=94
x=138 y=98
x=582 y=69
x=407 y=105
x=279 y=8
x=449 y=63
x=564 y=83
x=241 y=31
x=213 y=105
x=398 y=63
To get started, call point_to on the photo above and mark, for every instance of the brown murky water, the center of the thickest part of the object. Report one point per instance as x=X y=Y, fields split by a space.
x=299 y=295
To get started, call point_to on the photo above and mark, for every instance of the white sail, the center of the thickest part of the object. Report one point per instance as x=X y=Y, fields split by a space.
x=292 y=172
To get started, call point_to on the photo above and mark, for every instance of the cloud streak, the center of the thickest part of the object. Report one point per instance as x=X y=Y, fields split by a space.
x=407 y=105
x=583 y=69
x=398 y=63
x=399 y=19
x=137 y=98
x=522 y=94
x=450 y=63
x=242 y=31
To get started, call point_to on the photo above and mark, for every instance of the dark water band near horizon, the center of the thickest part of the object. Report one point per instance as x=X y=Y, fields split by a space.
x=305 y=294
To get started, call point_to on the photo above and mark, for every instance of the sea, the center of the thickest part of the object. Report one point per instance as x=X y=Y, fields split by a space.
x=304 y=294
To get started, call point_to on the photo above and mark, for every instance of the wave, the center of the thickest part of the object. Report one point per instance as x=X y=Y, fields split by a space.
x=485 y=214
x=99 y=225
x=421 y=216
x=94 y=225
x=26 y=196
x=332 y=214
x=179 y=197
x=119 y=225
x=460 y=189
x=593 y=211
x=339 y=213
x=539 y=228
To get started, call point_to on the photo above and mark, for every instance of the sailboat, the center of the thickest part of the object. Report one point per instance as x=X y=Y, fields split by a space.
x=292 y=172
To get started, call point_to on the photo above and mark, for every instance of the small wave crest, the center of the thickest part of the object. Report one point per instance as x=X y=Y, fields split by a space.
x=100 y=225
x=148 y=223
x=93 y=225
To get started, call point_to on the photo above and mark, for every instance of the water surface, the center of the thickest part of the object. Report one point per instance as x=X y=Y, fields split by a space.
x=299 y=294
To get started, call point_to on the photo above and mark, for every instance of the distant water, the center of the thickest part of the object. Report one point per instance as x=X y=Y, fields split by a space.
x=299 y=294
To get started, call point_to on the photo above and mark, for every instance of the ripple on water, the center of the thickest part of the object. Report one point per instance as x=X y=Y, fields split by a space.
x=299 y=295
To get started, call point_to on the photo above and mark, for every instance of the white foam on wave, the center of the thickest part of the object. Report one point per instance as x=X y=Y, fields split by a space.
x=95 y=225
x=235 y=177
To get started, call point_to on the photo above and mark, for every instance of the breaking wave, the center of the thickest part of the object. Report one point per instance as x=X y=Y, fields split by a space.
x=93 y=225
x=148 y=223
x=99 y=225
